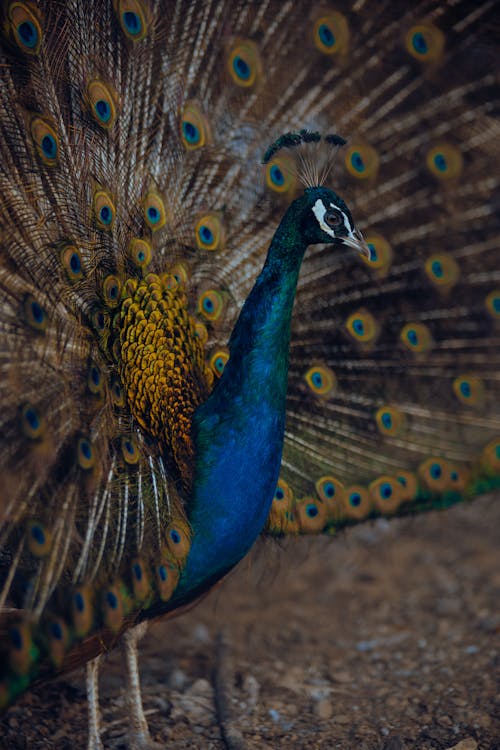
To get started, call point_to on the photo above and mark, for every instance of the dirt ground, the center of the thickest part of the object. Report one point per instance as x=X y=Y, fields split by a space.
x=385 y=638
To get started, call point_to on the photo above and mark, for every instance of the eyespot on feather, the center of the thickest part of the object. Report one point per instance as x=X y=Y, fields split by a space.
x=130 y=450
x=362 y=161
x=85 y=454
x=281 y=518
x=117 y=393
x=331 y=33
x=133 y=18
x=218 y=361
x=357 y=502
x=380 y=254
x=178 y=540
x=321 y=381
x=45 y=140
x=442 y=270
x=390 y=421
x=209 y=232
x=491 y=456
x=71 y=260
x=39 y=539
x=181 y=274
x=211 y=305
x=416 y=337
x=386 y=494
x=332 y=492
x=22 y=652
x=111 y=290
x=100 y=322
x=95 y=381
x=34 y=314
x=425 y=43
x=283 y=493
x=409 y=484
x=492 y=302
x=58 y=640
x=459 y=477
x=140 y=253
x=167 y=577
x=362 y=326
x=141 y=580
x=101 y=101
x=469 y=390
x=312 y=515
x=104 y=210
x=280 y=175
x=444 y=161
x=435 y=474
x=195 y=130
x=82 y=610
x=244 y=63
x=33 y=424
x=25 y=27
x=112 y=607
x=155 y=214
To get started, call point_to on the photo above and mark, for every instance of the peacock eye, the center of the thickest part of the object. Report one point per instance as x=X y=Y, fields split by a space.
x=333 y=218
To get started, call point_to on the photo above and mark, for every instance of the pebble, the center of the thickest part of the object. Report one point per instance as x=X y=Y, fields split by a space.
x=177 y=680
x=343 y=719
x=342 y=677
x=201 y=633
x=469 y=743
x=472 y=650
x=323 y=709
x=275 y=715
x=196 y=704
x=251 y=687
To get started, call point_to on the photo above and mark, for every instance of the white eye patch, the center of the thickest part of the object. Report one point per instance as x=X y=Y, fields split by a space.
x=319 y=209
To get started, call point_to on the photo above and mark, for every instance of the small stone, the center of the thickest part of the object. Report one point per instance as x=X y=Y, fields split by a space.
x=480 y=719
x=469 y=743
x=251 y=687
x=471 y=649
x=343 y=719
x=201 y=633
x=341 y=677
x=323 y=709
x=445 y=721
x=177 y=680
x=275 y=715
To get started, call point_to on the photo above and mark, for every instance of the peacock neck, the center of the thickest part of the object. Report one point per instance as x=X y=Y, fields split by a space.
x=238 y=431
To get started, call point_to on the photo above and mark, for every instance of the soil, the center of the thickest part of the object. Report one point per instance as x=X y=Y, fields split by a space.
x=385 y=638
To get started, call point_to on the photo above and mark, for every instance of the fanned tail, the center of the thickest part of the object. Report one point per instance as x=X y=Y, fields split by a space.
x=131 y=182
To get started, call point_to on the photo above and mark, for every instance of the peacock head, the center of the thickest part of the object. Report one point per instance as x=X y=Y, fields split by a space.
x=319 y=215
x=325 y=218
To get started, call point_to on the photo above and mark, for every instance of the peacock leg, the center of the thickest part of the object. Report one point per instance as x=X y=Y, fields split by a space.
x=93 y=704
x=139 y=737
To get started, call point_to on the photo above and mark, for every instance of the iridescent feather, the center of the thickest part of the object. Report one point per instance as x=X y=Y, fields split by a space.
x=135 y=217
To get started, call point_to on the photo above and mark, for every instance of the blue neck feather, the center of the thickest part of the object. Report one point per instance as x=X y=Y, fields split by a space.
x=239 y=431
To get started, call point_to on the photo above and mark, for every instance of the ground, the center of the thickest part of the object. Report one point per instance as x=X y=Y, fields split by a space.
x=383 y=639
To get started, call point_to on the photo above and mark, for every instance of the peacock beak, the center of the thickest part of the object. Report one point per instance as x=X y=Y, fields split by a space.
x=356 y=240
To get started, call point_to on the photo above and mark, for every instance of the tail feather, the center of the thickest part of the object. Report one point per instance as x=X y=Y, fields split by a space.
x=149 y=127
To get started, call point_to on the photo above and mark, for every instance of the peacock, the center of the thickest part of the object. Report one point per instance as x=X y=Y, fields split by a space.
x=171 y=388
